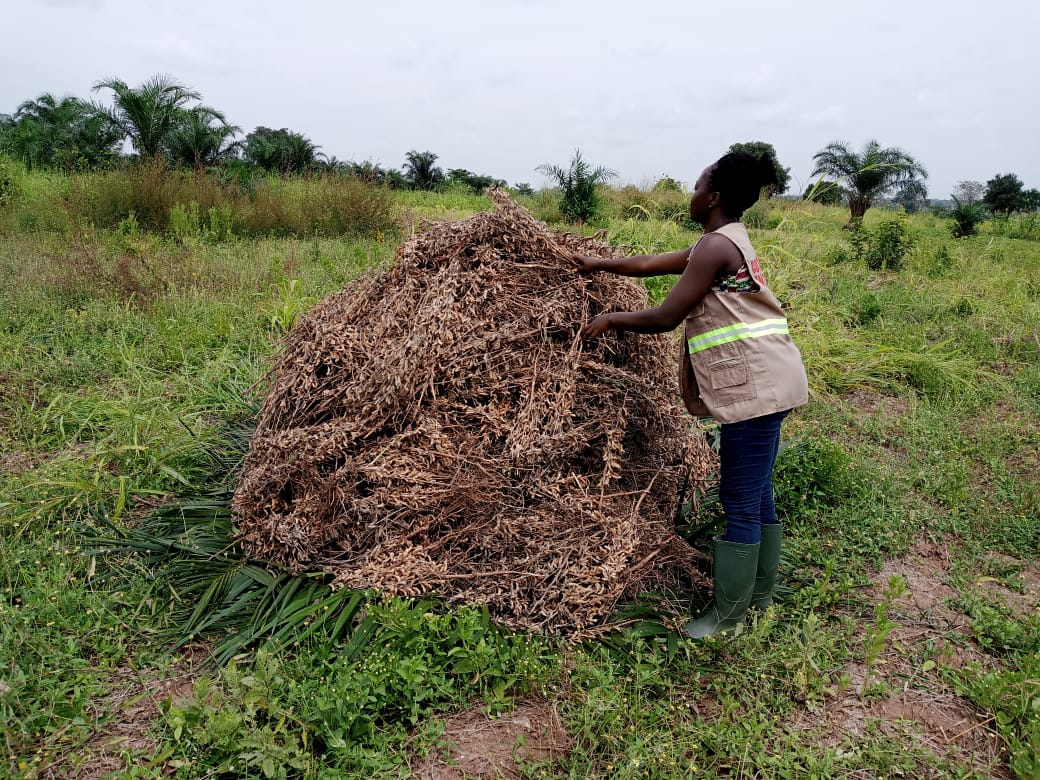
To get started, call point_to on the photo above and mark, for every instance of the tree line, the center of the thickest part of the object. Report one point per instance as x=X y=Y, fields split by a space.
x=162 y=118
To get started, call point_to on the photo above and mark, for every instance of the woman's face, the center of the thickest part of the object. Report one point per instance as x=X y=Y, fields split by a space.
x=702 y=201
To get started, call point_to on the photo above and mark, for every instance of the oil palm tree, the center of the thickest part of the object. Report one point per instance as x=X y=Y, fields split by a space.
x=578 y=198
x=203 y=138
x=62 y=132
x=420 y=171
x=147 y=114
x=282 y=151
x=868 y=174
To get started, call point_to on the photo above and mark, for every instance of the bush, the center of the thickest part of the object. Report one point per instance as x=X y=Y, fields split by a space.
x=761 y=217
x=630 y=202
x=966 y=218
x=10 y=181
x=811 y=474
x=191 y=206
x=1025 y=226
x=884 y=246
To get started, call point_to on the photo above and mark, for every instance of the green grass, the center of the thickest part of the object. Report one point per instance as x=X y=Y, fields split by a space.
x=127 y=357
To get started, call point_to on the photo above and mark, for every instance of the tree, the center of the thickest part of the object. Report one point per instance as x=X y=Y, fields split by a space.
x=420 y=171
x=968 y=192
x=758 y=148
x=204 y=138
x=1004 y=193
x=912 y=196
x=829 y=193
x=148 y=114
x=1031 y=200
x=667 y=184
x=523 y=188
x=966 y=217
x=280 y=151
x=578 y=198
x=476 y=183
x=63 y=133
x=867 y=175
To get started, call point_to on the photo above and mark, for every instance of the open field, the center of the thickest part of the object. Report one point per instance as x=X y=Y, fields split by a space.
x=907 y=637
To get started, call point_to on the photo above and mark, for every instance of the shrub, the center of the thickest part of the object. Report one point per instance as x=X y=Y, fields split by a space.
x=761 y=217
x=630 y=202
x=884 y=246
x=10 y=181
x=579 y=198
x=811 y=473
x=966 y=218
x=1025 y=226
x=866 y=310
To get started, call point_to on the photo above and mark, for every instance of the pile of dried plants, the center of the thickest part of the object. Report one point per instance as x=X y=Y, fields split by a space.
x=441 y=427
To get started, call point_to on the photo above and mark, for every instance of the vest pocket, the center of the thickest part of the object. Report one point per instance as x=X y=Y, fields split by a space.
x=730 y=381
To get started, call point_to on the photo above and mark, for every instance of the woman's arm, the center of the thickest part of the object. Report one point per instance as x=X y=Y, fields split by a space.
x=639 y=265
x=707 y=260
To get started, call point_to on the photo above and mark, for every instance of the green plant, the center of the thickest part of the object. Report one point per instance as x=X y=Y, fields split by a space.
x=220 y=223
x=761 y=217
x=1012 y=695
x=966 y=218
x=868 y=174
x=10 y=182
x=420 y=171
x=150 y=113
x=811 y=473
x=244 y=726
x=867 y=309
x=579 y=200
x=883 y=247
x=877 y=636
x=759 y=148
x=185 y=224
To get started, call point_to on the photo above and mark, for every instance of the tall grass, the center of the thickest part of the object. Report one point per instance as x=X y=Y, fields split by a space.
x=155 y=199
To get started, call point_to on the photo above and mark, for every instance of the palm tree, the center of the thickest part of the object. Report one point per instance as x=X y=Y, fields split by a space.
x=578 y=198
x=281 y=150
x=61 y=132
x=867 y=175
x=420 y=171
x=148 y=114
x=203 y=138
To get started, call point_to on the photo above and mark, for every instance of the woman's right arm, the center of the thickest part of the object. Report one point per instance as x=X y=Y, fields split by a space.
x=639 y=265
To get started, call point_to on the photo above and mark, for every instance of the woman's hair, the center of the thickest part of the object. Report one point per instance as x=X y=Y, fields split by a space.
x=739 y=177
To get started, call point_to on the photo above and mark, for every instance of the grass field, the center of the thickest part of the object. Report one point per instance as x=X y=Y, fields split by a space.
x=907 y=637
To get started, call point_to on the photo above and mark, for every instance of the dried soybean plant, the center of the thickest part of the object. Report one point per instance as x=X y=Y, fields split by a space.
x=441 y=427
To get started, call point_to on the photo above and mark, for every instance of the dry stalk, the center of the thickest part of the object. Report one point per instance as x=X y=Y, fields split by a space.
x=440 y=427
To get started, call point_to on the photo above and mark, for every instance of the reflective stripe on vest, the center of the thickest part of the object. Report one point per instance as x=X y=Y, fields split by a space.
x=742 y=330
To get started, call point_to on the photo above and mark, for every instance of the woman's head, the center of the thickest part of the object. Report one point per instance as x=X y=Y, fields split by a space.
x=733 y=184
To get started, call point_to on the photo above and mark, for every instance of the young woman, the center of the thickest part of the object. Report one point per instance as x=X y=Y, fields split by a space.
x=739 y=365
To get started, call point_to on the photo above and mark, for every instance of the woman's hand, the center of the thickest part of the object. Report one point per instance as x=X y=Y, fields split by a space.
x=597 y=327
x=585 y=264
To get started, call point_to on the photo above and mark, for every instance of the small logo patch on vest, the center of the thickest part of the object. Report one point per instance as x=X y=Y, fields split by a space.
x=756 y=271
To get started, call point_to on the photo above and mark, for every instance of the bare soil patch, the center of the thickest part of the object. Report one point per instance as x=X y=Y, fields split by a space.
x=876 y=404
x=1024 y=598
x=497 y=747
x=900 y=694
x=125 y=720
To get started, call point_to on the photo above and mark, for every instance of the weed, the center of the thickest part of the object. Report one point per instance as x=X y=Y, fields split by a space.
x=877 y=636
x=883 y=247
x=811 y=474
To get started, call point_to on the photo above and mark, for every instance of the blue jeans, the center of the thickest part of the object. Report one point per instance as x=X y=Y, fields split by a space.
x=747 y=453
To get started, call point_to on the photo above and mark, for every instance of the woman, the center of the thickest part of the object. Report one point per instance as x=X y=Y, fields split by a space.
x=739 y=365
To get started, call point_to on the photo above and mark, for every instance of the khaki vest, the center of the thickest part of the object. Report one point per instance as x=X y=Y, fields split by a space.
x=738 y=359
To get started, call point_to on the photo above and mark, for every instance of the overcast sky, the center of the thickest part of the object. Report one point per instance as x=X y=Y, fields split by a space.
x=501 y=86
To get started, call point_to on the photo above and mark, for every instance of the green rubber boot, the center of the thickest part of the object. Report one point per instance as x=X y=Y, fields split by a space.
x=768 y=563
x=734 y=576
